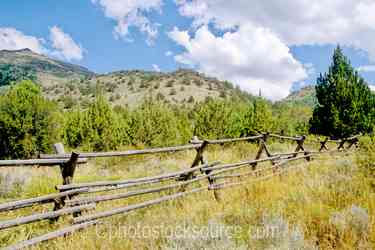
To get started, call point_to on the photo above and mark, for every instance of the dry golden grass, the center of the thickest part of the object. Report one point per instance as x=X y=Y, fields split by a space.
x=328 y=203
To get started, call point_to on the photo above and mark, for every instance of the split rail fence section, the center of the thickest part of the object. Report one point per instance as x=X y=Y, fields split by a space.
x=76 y=198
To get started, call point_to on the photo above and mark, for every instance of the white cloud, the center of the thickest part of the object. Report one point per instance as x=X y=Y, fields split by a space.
x=12 y=39
x=65 y=46
x=310 y=69
x=372 y=87
x=129 y=13
x=276 y=25
x=251 y=57
x=366 y=68
x=295 y=22
x=156 y=67
x=168 y=53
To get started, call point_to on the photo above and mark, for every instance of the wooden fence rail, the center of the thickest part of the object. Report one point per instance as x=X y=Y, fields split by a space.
x=39 y=200
x=69 y=199
x=51 y=162
x=44 y=216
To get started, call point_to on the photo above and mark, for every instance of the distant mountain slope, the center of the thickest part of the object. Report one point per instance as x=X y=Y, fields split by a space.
x=131 y=88
x=303 y=96
x=48 y=71
x=71 y=84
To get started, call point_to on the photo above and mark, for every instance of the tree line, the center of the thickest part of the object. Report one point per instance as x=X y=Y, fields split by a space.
x=30 y=123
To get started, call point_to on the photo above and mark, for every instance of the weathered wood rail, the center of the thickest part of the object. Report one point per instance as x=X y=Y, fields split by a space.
x=72 y=197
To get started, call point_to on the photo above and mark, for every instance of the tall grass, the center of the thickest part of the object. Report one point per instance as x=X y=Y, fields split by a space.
x=328 y=203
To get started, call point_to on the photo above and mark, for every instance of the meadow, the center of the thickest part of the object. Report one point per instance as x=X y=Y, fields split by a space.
x=327 y=203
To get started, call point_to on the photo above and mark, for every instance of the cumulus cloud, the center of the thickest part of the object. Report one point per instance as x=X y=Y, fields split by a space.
x=372 y=87
x=295 y=22
x=128 y=13
x=65 y=47
x=156 y=67
x=251 y=57
x=366 y=68
x=59 y=44
x=274 y=27
x=12 y=39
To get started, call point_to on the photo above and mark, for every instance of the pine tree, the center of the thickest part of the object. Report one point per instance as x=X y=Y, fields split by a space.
x=345 y=102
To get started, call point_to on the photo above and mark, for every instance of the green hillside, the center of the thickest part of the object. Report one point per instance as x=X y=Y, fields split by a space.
x=70 y=84
x=45 y=70
x=303 y=96
x=131 y=88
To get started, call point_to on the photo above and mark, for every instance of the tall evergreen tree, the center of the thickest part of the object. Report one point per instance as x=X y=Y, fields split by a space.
x=345 y=102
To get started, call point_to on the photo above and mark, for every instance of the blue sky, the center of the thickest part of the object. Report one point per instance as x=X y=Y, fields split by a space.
x=257 y=45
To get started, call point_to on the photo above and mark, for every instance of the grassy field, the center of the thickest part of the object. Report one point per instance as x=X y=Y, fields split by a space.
x=328 y=203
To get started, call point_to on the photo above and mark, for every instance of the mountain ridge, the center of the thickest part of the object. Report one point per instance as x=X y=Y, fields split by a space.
x=70 y=84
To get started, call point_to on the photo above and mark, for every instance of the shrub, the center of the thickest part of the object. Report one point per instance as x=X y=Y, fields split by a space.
x=186 y=82
x=211 y=119
x=27 y=124
x=98 y=128
x=160 y=97
x=222 y=94
x=143 y=85
x=156 y=124
x=70 y=85
x=68 y=101
x=169 y=84
x=10 y=73
x=191 y=99
x=111 y=86
x=198 y=83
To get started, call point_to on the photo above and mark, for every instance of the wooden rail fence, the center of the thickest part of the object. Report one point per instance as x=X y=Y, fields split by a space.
x=75 y=198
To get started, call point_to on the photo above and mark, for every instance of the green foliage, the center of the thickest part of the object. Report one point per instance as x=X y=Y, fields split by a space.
x=262 y=120
x=102 y=125
x=211 y=119
x=346 y=105
x=232 y=118
x=97 y=128
x=191 y=99
x=228 y=85
x=74 y=128
x=156 y=124
x=28 y=124
x=305 y=96
x=169 y=84
x=10 y=73
x=291 y=119
x=68 y=101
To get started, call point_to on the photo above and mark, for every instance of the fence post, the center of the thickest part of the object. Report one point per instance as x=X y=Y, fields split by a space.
x=300 y=147
x=341 y=145
x=200 y=159
x=262 y=147
x=323 y=145
x=354 y=141
x=67 y=172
